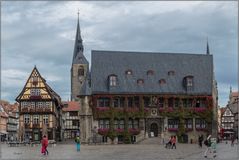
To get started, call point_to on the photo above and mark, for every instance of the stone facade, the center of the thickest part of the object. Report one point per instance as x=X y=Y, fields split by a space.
x=105 y=95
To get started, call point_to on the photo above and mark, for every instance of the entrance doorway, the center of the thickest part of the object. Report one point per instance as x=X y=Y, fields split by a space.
x=154 y=130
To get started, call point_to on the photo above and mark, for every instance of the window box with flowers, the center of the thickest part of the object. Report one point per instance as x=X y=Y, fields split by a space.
x=172 y=129
x=119 y=130
x=201 y=109
x=161 y=109
x=103 y=131
x=134 y=131
x=169 y=110
x=202 y=129
x=35 y=97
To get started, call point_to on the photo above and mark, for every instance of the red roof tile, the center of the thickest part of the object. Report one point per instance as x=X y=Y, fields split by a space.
x=235 y=94
x=71 y=106
x=4 y=114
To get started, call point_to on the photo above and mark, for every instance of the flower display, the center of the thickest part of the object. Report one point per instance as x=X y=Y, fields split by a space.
x=199 y=109
x=134 y=131
x=119 y=130
x=103 y=131
x=172 y=129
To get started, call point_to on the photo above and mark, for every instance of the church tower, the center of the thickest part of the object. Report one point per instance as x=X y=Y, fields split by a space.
x=79 y=67
x=80 y=87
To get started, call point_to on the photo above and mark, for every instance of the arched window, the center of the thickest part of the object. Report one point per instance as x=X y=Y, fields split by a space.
x=81 y=71
x=150 y=72
x=112 y=80
x=140 y=81
x=171 y=73
x=162 y=81
x=128 y=72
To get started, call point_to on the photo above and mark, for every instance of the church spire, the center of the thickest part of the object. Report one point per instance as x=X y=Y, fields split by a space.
x=208 y=51
x=78 y=56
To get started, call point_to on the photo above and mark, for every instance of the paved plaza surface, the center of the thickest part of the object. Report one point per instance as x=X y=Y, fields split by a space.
x=119 y=152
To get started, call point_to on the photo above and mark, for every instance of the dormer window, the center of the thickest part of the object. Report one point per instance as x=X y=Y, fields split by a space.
x=150 y=72
x=171 y=73
x=188 y=82
x=112 y=80
x=128 y=72
x=140 y=81
x=162 y=81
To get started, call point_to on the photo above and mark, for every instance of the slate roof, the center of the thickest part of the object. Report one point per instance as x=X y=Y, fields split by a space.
x=85 y=89
x=105 y=63
x=78 y=56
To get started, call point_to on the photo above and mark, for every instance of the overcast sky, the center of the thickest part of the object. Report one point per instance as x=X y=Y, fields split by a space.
x=42 y=34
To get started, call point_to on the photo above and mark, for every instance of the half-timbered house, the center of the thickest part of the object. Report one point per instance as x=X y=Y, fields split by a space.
x=40 y=110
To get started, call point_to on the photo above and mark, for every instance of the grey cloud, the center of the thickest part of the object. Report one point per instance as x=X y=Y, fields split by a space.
x=34 y=39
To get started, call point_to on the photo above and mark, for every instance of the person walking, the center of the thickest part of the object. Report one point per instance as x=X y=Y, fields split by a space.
x=209 y=145
x=169 y=143
x=44 y=143
x=200 y=140
x=174 y=142
x=232 y=140
x=77 y=140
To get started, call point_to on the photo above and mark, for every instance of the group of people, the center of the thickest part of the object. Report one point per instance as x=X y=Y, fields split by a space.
x=171 y=143
x=44 y=143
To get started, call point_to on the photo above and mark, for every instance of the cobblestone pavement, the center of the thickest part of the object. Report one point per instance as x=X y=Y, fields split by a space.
x=119 y=152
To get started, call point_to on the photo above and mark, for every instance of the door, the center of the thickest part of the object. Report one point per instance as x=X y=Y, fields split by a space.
x=154 y=129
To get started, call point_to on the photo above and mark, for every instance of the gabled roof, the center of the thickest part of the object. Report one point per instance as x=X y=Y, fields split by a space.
x=50 y=91
x=71 y=106
x=234 y=94
x=226 y=108
x=105 y=63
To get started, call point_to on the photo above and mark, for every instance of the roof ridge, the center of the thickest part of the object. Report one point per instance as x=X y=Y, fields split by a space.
x=146 y=52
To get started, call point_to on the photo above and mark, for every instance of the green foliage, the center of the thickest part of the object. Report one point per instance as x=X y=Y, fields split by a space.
x=127 y=138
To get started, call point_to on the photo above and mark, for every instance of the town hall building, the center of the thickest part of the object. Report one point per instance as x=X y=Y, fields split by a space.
x=126 y=96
